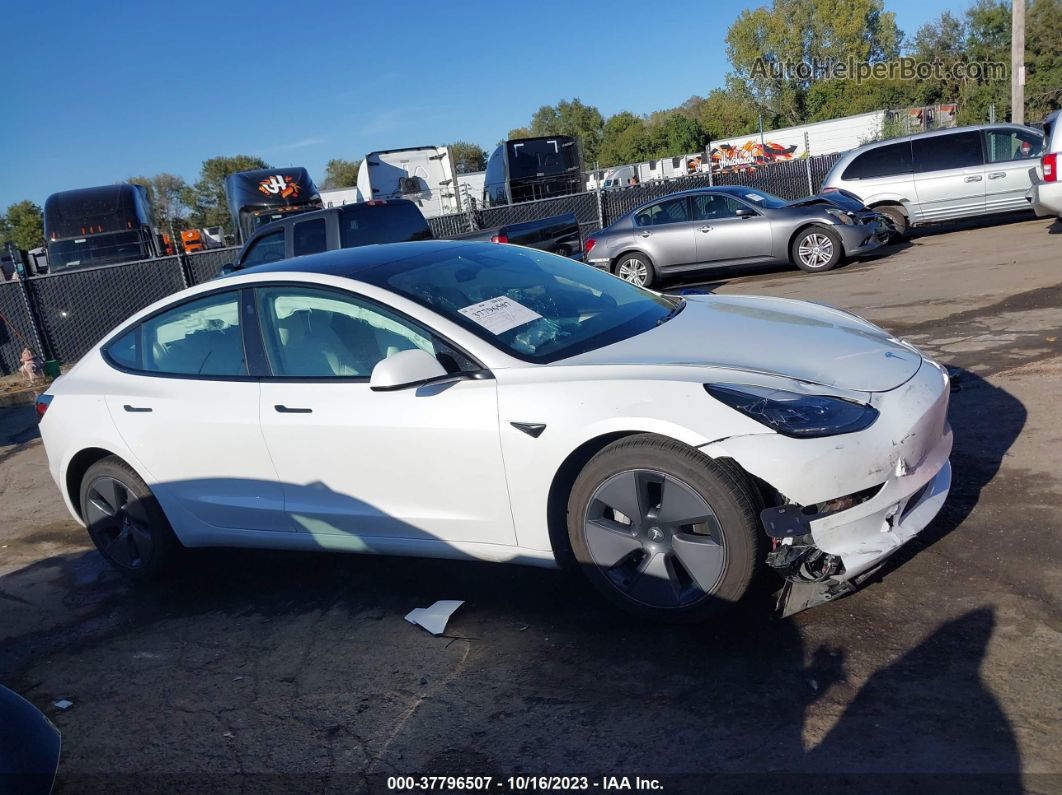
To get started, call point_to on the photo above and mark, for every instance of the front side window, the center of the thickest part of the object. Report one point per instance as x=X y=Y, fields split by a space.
x=320 y=333
x=943 y=152
x=309 y=237
x=197 y=338
x=881 y=161
x=268 y=248
x=536 y=306
x=669 y=212
x=714 y=206
x=1006 y=145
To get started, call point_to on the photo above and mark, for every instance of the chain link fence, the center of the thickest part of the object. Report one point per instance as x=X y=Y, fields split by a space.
x=206 y=265
x=62 y=315
x=17 y=329
x=77 y=308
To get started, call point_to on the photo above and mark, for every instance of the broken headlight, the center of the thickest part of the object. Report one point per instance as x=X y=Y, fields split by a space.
x=801 y=416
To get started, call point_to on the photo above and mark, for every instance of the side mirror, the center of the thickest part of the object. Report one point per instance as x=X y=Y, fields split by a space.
x=404 y=370
x=744 y=212
x=228 y=268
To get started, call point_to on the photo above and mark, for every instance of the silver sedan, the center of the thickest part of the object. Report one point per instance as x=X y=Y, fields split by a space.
x=734 y=225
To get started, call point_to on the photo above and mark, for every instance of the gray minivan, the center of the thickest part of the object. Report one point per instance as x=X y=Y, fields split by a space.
x=941 y=175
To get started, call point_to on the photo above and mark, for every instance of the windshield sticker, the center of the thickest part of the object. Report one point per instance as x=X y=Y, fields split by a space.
x=754 y=197
x=498 y=315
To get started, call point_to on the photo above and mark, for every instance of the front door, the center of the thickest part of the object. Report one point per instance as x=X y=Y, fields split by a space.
x=186 y=408
x=1009 y=157
x=949 y=175
x=420 y=465
x=722 y=235
x=666 y=233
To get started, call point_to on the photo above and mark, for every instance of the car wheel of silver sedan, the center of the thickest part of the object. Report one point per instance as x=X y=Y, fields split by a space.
x=817 y=249
x=662 y=530
x=636 y=269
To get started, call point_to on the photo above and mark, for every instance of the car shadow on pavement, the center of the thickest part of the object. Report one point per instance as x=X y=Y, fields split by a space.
x=544 y=678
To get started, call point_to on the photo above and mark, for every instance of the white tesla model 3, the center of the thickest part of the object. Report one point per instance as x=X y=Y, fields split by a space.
x=474 y=400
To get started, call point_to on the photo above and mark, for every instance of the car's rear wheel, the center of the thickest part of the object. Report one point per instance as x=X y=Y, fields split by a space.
x=662 y=530
x=897 y=220
x=636 y=268
x=817 y=249
x=125 y=521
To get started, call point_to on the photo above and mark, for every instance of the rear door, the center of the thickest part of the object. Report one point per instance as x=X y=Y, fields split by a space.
x=1010 y=154
x=949 y=175
x=665 y=231
x=183 y=402
x=723 y=236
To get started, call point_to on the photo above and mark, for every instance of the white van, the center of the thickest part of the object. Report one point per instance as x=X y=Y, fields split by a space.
x=941 y=175
x=422 y=174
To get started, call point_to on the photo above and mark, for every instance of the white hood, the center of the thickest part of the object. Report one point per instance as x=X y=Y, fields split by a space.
x=795 y=339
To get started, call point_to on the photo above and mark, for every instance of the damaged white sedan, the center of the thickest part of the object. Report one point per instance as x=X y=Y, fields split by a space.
x=472 y=400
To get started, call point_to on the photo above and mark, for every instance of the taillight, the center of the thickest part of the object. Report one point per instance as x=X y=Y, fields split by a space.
x=42 y=404
x=590 y=243
x=1049 y=163
x=499 y=238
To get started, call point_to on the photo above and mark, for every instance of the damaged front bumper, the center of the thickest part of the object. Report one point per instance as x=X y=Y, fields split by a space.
x=896 y=475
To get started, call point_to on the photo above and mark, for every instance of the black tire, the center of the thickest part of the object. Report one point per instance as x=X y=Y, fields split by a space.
x=636 y=268
x=125 y=521
x=705 y=566
x=897 y=219
x=824 y=249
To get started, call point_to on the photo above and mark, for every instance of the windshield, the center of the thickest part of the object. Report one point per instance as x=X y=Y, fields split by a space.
x=535 y=306
x=538 y=158
x=763 y=199
x=84 y=252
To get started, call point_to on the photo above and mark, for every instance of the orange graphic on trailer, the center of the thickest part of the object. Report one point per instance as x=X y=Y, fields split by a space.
x=727 y=157
x=277 y=185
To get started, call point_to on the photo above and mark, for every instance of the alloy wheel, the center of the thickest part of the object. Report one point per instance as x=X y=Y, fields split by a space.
x=815 y=250
x=119 y=523
x=634 y=271
x=655 y=539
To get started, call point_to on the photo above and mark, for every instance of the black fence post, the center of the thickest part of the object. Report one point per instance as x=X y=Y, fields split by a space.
x=36 y=326
x=600 y=209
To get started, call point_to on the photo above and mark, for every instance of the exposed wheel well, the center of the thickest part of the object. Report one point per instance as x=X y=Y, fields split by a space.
x=75 y=472
x=799 y=232
x=622 y=254
x=891 y=203
x=563 y=481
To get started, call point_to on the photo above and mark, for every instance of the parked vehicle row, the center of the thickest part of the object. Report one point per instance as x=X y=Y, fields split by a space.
x=389 y=221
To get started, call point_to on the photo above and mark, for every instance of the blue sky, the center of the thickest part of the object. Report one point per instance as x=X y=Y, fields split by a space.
x=97 y=92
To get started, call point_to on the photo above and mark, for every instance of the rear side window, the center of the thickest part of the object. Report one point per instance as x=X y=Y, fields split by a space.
x=668 y=212
x=125 y=350
x=198 y=338
x=942 y=152
x=365 y=224
x=1006 y=145
x=309 y=237
x=882 y=161
x=268 y=248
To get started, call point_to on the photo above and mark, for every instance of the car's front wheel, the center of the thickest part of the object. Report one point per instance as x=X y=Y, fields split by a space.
x=662 y=530
x=817 y=249
x=125 y=521
x=636 y=268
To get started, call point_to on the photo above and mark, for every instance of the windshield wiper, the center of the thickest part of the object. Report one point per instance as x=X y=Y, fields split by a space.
x=680 y=304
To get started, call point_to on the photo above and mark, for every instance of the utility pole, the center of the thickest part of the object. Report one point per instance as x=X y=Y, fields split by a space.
x=1017 y=62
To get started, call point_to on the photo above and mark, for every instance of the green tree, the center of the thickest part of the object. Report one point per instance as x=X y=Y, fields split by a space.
x=944 y=40
x=1043 y=58
x=987 y=40
x=207 y=197
x=730 y=111
x=167 y=194
x=23 y=225
x=517 y=132
x=674 y=133
x=468 y=158
x=340 y=174
x=624 y=139
x=766 y=44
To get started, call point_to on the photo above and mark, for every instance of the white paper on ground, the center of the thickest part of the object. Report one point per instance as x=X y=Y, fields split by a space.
x=434 y=618
x=500 y=314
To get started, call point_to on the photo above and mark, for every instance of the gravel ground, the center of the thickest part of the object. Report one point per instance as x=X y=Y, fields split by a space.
x=254 y=671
